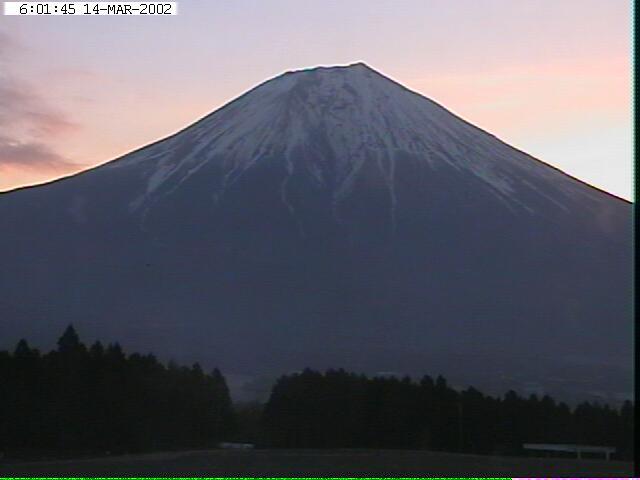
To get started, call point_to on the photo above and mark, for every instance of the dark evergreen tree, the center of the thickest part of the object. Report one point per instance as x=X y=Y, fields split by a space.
x=69 y=342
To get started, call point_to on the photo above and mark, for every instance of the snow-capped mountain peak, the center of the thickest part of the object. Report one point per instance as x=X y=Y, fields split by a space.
x=354 y=119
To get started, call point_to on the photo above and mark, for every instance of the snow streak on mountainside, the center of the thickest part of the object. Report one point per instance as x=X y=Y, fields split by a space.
x=332 y=218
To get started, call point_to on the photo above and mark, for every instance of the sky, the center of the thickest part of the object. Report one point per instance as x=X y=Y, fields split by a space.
x=549 y=77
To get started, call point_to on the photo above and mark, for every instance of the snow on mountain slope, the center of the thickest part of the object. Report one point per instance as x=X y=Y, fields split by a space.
x=363 y=117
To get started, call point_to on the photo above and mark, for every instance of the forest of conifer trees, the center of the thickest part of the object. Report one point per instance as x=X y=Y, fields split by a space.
x=340 y=409
x=79 y=400
x=75 y=399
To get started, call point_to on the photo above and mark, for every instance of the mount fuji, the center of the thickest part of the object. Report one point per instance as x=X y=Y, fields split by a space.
x=330 y=217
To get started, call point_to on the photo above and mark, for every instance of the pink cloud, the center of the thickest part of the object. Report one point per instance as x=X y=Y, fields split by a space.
x=31 y=155
x=22 y=108
x=29 y=124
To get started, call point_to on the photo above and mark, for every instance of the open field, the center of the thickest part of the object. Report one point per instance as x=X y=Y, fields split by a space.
x=319 y=463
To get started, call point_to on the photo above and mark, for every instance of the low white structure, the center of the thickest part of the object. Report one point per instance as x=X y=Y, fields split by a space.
x=235 y=446
x=577 y=449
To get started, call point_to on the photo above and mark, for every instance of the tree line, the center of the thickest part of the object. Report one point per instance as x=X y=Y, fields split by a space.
x=344 y=410
x=97 y=399
x=76 y=399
